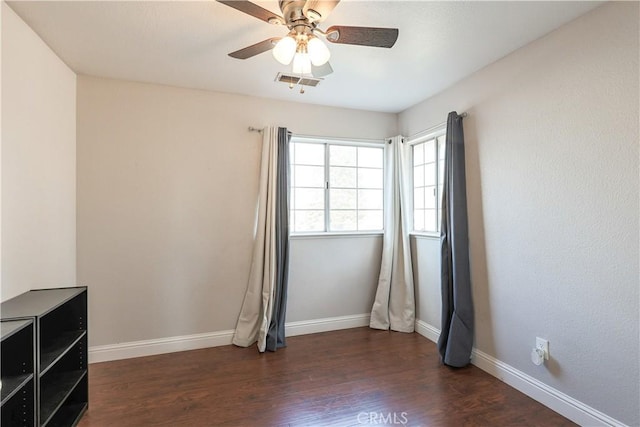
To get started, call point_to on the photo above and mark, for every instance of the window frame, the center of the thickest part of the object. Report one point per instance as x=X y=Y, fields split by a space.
x=327 y=142
x=433 y=133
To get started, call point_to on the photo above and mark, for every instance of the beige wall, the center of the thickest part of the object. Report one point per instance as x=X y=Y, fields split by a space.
x=552 y=171
x=332 y=276
x=38 y=163
x=167 y=183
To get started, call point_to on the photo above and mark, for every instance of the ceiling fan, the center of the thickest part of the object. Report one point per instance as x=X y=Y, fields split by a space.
x=302 y=45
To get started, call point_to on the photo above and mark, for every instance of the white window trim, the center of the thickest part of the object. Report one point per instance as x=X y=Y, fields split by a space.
x=432 y=133
x=334 y=234
x=377 y=143
x=425 y=235
x=355 y=142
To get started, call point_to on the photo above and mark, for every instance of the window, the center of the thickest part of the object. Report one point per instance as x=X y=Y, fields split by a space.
x=336 y=186
x=428 y=177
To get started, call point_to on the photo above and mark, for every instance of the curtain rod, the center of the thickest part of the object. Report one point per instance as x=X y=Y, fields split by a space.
x=433 y=128
x=252 y=129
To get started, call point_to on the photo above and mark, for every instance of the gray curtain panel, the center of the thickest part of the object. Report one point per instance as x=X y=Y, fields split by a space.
x=456 y=339
x=275 y=334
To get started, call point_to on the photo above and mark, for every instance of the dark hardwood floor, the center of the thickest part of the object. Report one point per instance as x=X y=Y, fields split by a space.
x=352 y=377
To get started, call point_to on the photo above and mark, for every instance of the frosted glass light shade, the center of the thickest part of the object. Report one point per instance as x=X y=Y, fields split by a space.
x=301 y=63
x=284 y=50
x=318 y=51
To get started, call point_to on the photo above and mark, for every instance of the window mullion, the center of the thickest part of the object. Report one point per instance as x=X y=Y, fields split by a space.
x=327 y=176
x=358 y=190
x=437 y=189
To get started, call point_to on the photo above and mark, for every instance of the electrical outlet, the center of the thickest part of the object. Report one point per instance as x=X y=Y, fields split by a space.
x=543 y=345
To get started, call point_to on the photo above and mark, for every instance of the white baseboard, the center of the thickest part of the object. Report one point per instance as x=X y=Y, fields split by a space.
x=128 y=350
x=105 y=353
x=305 y=327
x=427 y=331
x=554 y=399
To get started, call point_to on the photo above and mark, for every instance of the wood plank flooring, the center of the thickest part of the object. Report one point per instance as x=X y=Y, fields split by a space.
x=352 y=377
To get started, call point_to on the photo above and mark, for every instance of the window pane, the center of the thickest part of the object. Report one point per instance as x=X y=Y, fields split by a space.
x=308 y=154
x=430 y=151
x=418 y=219
x=441 y=146
x=418 y=198
x=343 y=199
x=309 y=198
x=430 y=174
x=430 y=220
x=370 y=157
x=440 y=189
x=369 y=178
x=430 y=197
x=370 y=199
x=342 y=156
x=418 y=154
x=427 y=180
x=309 y=176
x=370 y=220
x=354 y=197
x=342 y=177
x=418 y=176
x=309 y=221
x=343 y=220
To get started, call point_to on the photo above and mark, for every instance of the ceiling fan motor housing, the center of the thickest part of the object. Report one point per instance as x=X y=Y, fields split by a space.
x=292 y=11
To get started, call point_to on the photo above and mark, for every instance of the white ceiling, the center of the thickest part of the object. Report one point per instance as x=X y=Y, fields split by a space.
x=186 y=44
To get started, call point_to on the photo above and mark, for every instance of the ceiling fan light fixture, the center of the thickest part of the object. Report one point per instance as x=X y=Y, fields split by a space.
x=284 y=50
x=301 y=63
x=318 y=51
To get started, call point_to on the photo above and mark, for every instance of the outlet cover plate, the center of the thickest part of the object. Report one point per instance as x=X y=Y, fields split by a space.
x=543 y=345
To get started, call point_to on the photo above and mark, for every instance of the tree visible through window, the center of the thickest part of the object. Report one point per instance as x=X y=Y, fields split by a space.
x=336 y=187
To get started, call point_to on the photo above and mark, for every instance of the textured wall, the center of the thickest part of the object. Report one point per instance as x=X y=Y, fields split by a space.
x=552 y=170
x=334 y=276
x=38 y=163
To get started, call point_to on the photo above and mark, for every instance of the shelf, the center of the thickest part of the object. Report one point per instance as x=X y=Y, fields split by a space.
x=38 y=302
x=55 y=390
x=68 y=415
x=10 y=385
x=44 y=358
x=8 y=328
x=54 y=351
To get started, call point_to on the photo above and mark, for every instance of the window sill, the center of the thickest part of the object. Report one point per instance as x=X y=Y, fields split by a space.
x=423 y=235
x=335 y=234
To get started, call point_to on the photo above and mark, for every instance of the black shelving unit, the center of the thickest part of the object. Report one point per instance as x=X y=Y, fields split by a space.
x=17 y=345
x=60 y=320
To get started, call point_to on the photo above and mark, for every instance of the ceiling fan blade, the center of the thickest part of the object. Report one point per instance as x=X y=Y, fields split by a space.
x=363 y=36
x=322 y=70
x=255 y=49
x=322 y=7
x=254 y=10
